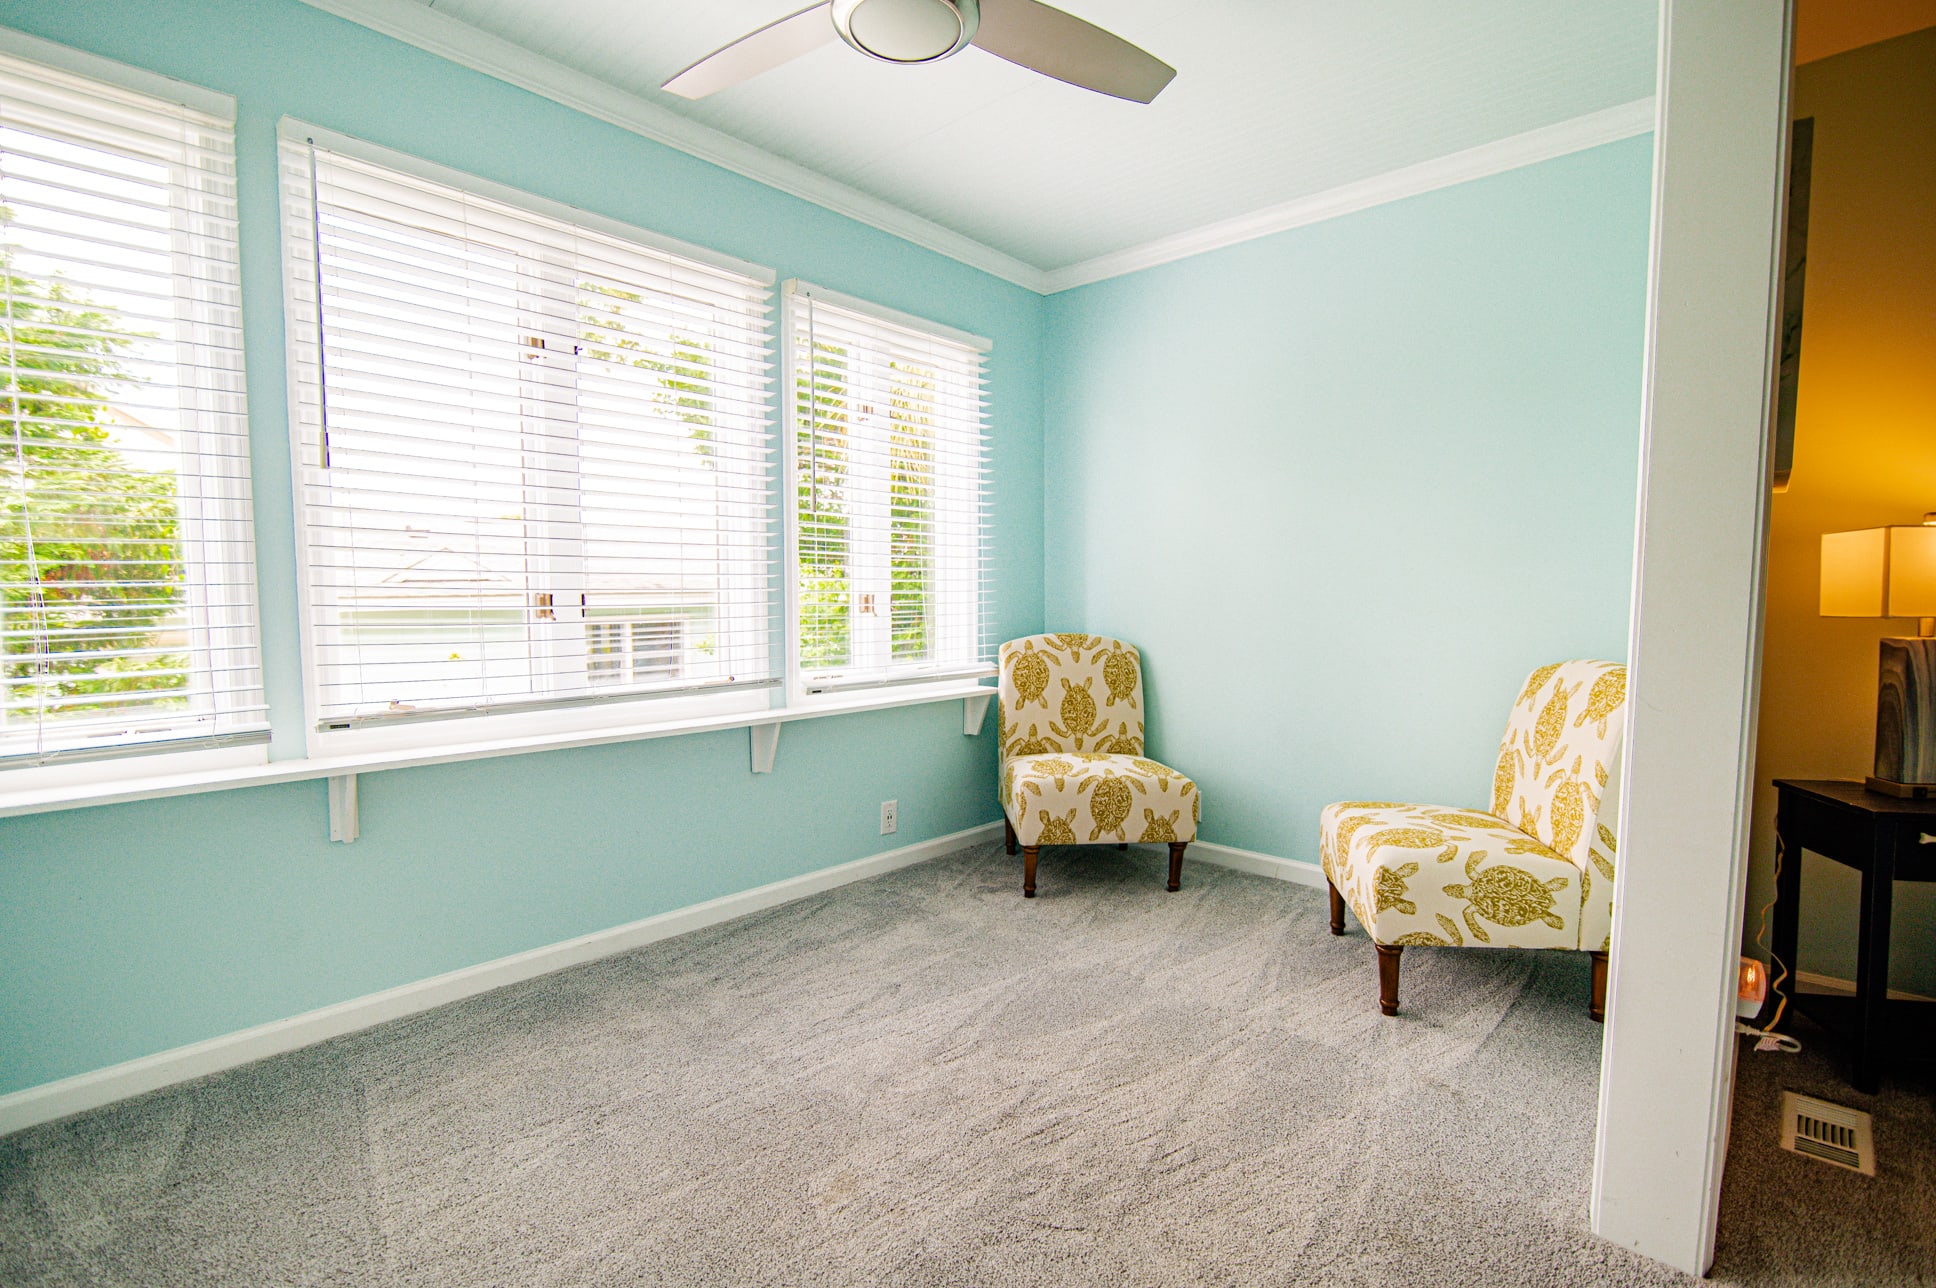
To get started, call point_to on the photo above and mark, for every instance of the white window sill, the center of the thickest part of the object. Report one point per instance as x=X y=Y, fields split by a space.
x=764 y=726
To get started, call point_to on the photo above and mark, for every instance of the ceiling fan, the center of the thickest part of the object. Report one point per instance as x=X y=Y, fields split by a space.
x=1024 y=32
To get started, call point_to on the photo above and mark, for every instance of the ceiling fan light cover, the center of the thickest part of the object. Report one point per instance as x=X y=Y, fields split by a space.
x=906 y=31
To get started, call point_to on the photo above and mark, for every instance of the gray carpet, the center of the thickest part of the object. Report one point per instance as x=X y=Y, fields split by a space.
x=917 y=1080
x=1789 y=1220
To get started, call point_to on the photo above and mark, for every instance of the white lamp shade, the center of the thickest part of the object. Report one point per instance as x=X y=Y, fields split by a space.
x=1891 y=572
x=1879 y=572
x=1855 y=573
x=1912 y=572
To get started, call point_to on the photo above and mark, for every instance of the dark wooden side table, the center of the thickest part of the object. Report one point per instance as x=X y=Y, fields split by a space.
x=1887 y=840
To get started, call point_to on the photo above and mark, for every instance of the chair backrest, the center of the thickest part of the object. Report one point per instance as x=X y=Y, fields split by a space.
x=1559 y=763
x=1067 y=693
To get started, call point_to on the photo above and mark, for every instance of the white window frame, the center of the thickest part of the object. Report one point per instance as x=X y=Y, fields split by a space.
x=246 y=744
x=810 y=691
x=584 y=715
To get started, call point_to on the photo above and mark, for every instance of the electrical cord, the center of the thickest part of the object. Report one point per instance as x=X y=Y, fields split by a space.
x=1766 y=1037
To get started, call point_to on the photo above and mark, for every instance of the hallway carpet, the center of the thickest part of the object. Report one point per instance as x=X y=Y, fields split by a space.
x=921 y=1079
x=1793 y=1222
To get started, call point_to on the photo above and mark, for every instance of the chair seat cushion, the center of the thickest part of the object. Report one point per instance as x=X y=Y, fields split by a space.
x=1437 y=874
x=1084 y=797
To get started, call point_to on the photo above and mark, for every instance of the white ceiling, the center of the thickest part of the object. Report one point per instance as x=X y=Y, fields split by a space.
x=1274 y=100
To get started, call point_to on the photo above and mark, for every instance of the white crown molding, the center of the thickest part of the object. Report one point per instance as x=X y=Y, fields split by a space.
x=459 y=42
x=50 y=1100
x=417 y=24
x=1544 y=144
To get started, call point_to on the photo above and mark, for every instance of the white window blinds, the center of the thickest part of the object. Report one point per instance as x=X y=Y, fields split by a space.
x=535 y=456
x=127 y=596
x=890 y=495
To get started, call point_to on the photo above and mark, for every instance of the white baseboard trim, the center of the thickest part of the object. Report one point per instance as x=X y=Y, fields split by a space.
x=1808 y=981
x=50 y=1100
x=1264 y=865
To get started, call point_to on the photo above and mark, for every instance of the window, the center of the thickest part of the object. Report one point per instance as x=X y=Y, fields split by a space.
x=127 y=570
x=534 y=446
x=889 y=490
x=638 y=651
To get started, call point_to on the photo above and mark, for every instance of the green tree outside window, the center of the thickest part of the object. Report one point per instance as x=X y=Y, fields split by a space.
x=822 y=455
x=91 y=569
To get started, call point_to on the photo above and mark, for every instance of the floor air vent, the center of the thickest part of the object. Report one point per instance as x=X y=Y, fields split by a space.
x=1833 y=1133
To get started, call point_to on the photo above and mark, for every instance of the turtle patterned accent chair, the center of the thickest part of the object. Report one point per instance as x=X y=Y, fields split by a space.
x=1073 y=770
x=1533 y=871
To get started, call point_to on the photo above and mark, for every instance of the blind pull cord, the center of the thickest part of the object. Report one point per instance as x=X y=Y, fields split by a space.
x=316 y=244
x=813 y=413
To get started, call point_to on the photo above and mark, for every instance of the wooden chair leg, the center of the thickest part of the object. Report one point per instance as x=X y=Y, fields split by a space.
x=1176 y=864
x=1008 y=831
x=1028 y=870
x=1337 y=910
x=1597 y=1005
x=1388 y=977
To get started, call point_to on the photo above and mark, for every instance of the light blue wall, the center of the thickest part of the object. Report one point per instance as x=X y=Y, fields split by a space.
x=129 y=929
x=1348 y=484
x=1345 y=485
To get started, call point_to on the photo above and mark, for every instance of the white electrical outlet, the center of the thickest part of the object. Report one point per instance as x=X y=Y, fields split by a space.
x=888 y=820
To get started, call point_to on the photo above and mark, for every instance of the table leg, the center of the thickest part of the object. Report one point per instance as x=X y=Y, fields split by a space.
x=1872 y=960
x=1788 y=904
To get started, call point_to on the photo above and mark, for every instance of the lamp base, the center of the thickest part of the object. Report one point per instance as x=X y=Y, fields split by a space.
x=1905 y=741
x=1905 y=791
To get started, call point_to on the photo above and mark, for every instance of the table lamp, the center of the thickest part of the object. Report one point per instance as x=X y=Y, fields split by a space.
x=1891 y=572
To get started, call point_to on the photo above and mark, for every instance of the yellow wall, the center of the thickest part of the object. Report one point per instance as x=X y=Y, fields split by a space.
x=1827 y=27
x=1865 y=454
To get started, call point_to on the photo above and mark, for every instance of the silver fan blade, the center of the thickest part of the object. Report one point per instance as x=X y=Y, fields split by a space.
x=1032 y=35
x=762 y=51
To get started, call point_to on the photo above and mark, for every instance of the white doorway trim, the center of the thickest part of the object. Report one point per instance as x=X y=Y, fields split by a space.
x=1695 y=645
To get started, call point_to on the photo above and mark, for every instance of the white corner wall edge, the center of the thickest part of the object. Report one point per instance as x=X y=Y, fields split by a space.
x=1694 y=646
x=459 y=42
x=51 y=1100
x=1610 y=125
